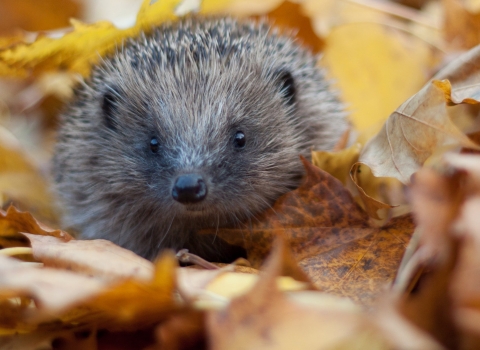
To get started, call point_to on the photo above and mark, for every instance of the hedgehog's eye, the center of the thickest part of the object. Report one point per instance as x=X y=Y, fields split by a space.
x=154 y=145
x=239 y=139
x=287 y=87
x=109 y=106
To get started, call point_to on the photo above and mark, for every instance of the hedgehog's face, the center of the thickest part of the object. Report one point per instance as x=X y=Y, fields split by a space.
x=205 y=147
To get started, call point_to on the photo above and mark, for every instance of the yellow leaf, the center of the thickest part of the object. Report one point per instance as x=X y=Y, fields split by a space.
x=214 y=6
x=337 y=164
x=371 y=204
x=78 y=49
x=369 y=63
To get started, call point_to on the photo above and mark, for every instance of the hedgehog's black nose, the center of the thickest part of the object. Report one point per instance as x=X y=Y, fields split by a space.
x=189 y=188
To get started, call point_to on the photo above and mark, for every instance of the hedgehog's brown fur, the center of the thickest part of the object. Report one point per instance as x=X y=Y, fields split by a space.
x=191 y=85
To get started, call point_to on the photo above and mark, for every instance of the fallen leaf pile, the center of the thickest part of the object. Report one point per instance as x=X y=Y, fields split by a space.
x=378 y=248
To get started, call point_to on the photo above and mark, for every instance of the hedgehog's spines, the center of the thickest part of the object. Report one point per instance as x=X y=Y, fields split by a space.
x=192 y=85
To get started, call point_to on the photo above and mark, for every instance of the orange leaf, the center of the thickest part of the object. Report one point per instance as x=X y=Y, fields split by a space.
x=331 y=237
x=12 y=222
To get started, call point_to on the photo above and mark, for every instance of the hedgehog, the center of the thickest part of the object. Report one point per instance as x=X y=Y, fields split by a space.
x=197 y=124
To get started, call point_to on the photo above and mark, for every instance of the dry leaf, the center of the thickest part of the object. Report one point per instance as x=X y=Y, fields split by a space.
x=464 y=77
x=183 y=331
x=76 y=299
x=13 y=221
x=331 y=237
x=421 y=125
x=337 y=164
x=265 y=319
x=372 y=206
x=99 y=258
x=132 y=304
x=427 y=302
x=418 y=128
x=51 y=290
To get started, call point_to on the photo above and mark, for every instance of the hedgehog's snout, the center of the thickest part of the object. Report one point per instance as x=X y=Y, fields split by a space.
x=189 y=189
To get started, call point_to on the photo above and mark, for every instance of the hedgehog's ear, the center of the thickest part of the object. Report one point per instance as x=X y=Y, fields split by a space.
x=110 y=106
x=287 y=86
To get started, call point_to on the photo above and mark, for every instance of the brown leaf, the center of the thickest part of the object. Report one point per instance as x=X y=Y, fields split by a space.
x=99 y=258
x=265 y=319
x=413 y=133
x=330 y=236
x=132 y=304
x=372 y=206
x=397 y=329
x=427 y=302
x=75 y=299
x=51 y=290
x=421 y=125
x=12 y=222
x=465 y=286
x=464 y=77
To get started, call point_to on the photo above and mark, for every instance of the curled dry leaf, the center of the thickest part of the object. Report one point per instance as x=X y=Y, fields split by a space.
x=464 y=75
x=338 y=163
x=343 y=165
x=421 y=125
x=132 y=304
x=443 y=295
x=99 y=258
x=12 y=222
x=73 y=299
x=465 y=288
x=372 y=206
x=330 y=236
x=51 y=290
